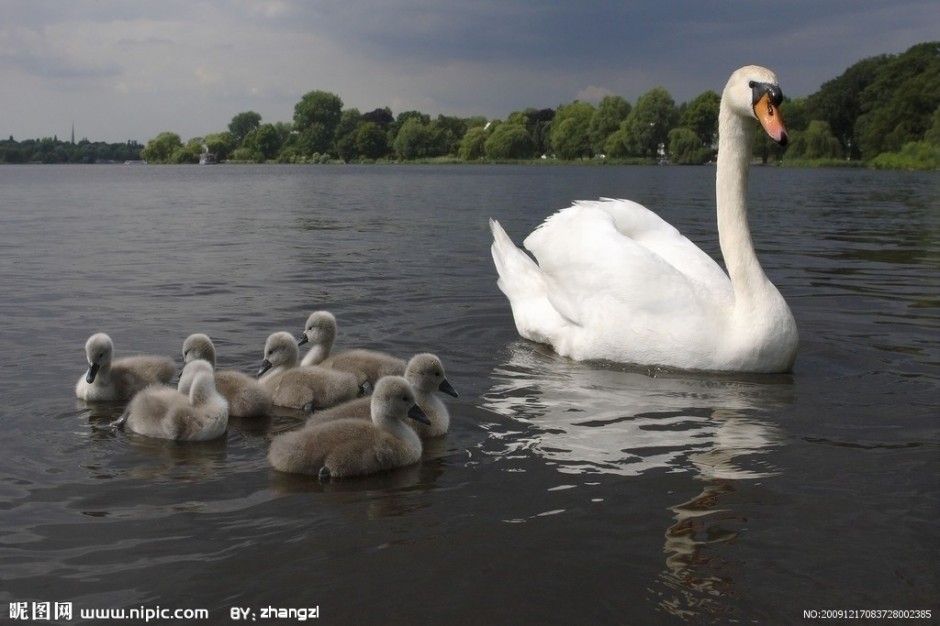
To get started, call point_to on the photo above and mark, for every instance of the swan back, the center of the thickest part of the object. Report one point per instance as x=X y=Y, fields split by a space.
x=246 y=397
x=165 y=413
x=301 y=387
x=368 y=366
x=188 y=375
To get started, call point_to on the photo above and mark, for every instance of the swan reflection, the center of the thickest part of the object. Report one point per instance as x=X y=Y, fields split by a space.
x=597 y=418
x=602 y=418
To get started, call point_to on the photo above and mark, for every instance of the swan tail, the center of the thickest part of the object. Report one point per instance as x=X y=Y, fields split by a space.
x=524 y=284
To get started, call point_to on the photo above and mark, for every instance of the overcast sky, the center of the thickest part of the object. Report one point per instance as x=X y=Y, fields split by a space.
x=123 y=70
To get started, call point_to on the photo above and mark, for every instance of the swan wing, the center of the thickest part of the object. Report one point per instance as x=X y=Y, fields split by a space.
x=624 y=262
x=611 y=279
x=527 y=289
x=646 y=229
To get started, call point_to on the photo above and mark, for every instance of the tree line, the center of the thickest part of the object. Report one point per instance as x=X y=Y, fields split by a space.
x=882 y=111
x=54 y=150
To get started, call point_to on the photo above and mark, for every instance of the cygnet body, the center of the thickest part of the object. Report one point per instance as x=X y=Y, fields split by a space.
x=355 y=447
x=119 y=379
x=302 y=387
x=246 y=396
x=425 y=374
x=164 y=412
x=367 y=365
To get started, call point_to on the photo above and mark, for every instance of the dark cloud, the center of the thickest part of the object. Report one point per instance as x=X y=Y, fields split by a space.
x=217 y=58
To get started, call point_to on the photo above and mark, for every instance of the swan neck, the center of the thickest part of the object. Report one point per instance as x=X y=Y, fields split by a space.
x=735 y=141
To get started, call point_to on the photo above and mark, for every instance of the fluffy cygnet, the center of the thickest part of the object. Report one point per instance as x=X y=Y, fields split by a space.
x=353 y=447
x=246 y=396
x=308 y=387
x=108 y=380
x=164 y=412
x=368 y=365
x=425 y=374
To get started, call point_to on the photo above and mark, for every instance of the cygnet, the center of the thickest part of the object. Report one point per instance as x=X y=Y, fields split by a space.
x=108 y=380
x=164 y=412
x=354 y=447
x=308 y=387
x=246 y=396
x=368 y=365
x=425 y=374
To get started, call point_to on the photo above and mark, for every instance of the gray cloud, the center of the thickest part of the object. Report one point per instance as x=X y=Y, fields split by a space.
x=122 y=69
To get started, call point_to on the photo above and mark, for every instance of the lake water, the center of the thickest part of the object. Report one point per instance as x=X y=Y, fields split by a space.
x=565 y=492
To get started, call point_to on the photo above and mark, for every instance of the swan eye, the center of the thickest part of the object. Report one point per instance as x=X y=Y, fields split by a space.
x=759 y=89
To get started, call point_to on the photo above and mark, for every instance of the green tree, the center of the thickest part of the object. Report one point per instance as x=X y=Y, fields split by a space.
x=509 y=141
x=900 y=102
x=413 y=139
x=686 y=147
x=649 y=123
x=219 y=144
x=816 y=142
x=316 y=118
x=701 y=117
x=371 y=141
x=932 y=136
x=473 y=144
x=346 y=134
x=570 y=137
x=382 y=118
x=611 y=112
x=263 y=143
x=616 y=145
x=448 y=131
x=241 y=125
x=160 y=149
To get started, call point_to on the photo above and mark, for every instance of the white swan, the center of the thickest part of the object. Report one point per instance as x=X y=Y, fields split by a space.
x=166 y=413
x=614 y=281
x=367 y=365
x=425 y=374
x=354 y=447
x=246 y=396
x=308 y=387
x=119 y=379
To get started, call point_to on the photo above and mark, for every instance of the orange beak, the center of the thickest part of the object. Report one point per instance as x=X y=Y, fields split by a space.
x=770 y=119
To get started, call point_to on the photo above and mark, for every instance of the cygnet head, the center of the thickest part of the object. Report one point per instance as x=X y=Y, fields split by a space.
x=754 y=92
x=98 y=352
x=198 y=346
x=394 y=398
x=280 y=349
x=319 y=329
x=426 y=373
x=190 y=371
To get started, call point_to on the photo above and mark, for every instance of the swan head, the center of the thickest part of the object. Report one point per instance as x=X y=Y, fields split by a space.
x=319 y=329
x=394 y=398
x=198 y=346
x=425 y=372
x=279 y=349
x=98 y=351
x=753 y=91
